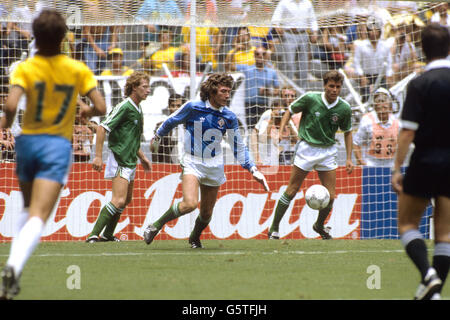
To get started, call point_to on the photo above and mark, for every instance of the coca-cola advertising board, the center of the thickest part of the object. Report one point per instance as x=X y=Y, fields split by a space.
x=244 y=210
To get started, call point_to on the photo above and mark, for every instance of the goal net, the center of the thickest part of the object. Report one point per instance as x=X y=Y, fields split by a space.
x=275 y=51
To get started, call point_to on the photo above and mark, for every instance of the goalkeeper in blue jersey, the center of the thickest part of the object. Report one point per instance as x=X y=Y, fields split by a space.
x=207 y=121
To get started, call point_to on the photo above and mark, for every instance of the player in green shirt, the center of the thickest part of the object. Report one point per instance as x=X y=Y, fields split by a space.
x=125 y=125
x=323 y=113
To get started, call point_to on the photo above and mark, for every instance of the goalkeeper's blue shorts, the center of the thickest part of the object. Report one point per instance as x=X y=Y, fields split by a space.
x=44 y=157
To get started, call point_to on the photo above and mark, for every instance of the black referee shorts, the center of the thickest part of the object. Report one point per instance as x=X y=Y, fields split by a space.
x=426 y=180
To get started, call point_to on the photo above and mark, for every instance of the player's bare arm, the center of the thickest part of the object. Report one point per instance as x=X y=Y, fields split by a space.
x=284 y=121
x=99 y=108
x=405 y=138
x=348 y=140
x=146 y=164
x=97 y=163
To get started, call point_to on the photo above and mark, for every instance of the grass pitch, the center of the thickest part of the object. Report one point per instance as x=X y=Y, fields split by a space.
x=223 y=270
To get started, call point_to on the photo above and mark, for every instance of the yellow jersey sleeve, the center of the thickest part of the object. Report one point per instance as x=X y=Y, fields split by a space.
x=87 y=80
x=18 y=78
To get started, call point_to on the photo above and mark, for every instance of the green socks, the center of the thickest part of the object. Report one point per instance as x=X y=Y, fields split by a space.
x=169 y=215
x=173 y=212
x=280 y=210
x=323 y=214
x=109 y=216
x=199 y=226
x=111 y=226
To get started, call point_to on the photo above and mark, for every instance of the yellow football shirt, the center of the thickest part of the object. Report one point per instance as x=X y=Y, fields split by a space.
x=204 y=42
x=165 y=56
x=244 y=57
x=52 y=85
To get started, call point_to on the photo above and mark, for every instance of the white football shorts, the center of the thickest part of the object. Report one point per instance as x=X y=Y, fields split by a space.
x=209 y=173
x=113 y=169
x=309 y=157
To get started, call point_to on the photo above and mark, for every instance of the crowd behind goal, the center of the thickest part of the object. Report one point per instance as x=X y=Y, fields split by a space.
x=333 y=39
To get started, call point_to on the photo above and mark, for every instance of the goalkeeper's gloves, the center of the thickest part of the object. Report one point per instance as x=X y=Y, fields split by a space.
x=154 y=143
x=258 y=176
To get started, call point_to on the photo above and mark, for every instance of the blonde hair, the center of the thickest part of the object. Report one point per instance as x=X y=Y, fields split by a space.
x=134 y=80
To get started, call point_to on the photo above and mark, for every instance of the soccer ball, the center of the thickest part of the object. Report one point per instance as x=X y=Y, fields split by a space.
x=317 y=197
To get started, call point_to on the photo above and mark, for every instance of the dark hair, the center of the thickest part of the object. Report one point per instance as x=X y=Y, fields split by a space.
x=134 y=80
x=435 y=41
x=49 y=29
x=174 y=97
x=334 y=75
x=211 y=85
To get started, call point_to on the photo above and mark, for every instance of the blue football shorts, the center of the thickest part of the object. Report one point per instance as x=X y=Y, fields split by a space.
x=44 y=157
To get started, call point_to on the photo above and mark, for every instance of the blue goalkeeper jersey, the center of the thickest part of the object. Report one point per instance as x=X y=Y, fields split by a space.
x=205 y=129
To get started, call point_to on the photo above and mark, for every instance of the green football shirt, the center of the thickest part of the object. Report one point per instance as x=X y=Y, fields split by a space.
x=125 y=124
x=320 y=120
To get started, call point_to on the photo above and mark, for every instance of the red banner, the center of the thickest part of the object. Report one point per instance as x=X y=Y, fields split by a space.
x=243 y=209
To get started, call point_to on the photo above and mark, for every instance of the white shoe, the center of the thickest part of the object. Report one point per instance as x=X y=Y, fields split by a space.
x=429 y=286
x=274 y=235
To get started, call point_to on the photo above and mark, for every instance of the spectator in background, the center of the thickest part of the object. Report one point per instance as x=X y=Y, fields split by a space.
x=163 y=10
x=403 y=51
x=269 y=145
x=242 y=52
x=261 y=83
x=208 y=42
x=373 y=58
x=19 y=27
x=99 y=40
x=262 y=37
x=331 y=47
x=83 y=138
x=264 y=138
x=205 y=9
x=169 y=150
x=378 y=131
x=183 y=63
x=7 y=145
x=288 y=95
x=355 y=33
x=7 y=51
x=441 y=16
x=7 y=141
x=115 y=55
x=166 y=52
x=297 y=25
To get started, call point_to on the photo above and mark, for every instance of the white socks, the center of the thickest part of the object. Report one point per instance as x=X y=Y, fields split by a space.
x=20 y=221
x=24 y=244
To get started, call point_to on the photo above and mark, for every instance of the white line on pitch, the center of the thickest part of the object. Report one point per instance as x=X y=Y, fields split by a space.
x=217 y=253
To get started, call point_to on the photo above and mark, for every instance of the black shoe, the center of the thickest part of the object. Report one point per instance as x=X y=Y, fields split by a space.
x=274 y=235
x=92 y=239
x=429 y=286
x=10 y=284
x=324 y=232
x=195 y=243
x=105 y=239
x=150 y=233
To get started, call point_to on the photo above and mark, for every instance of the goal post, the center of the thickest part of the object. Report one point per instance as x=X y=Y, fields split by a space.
x=178 y=44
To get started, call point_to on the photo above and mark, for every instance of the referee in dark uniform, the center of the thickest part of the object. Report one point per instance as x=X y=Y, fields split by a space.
x=425 y=120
